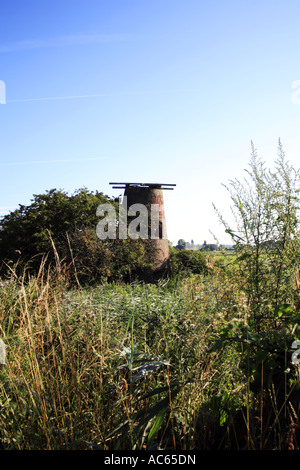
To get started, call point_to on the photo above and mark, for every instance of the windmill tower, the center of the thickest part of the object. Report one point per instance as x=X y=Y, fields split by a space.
x=150 y=195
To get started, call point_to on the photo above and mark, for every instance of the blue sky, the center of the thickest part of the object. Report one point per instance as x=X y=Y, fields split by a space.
x=166 y=91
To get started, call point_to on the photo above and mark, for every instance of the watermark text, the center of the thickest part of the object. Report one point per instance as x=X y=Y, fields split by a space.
x=137 y=221
x=2 y=352
x=2 y=92
x=296 y=94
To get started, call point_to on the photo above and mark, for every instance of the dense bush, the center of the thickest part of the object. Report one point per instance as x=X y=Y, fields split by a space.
x=94 y=261
x=184 y=262
x=57 y=227
x=31 y=232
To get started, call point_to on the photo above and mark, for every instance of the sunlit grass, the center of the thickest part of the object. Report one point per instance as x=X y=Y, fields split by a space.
x=124 y=366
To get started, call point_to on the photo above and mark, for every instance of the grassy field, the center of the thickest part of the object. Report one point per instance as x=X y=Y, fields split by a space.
x=137 y=366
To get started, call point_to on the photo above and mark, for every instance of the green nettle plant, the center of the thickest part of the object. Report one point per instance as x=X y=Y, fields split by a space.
x=266 y=237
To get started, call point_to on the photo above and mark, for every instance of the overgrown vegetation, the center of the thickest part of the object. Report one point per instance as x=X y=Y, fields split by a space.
x=201 y=359
x=58 y=226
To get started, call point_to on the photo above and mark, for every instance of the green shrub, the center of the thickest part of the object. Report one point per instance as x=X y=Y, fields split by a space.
x=184 y=262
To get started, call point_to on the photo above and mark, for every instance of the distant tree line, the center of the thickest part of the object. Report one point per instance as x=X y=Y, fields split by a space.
x=182 y=244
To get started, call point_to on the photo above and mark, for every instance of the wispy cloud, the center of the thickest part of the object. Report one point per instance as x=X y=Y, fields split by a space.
x=72 y=160
x=99 y=95
x=57 y=98
x=62 y=41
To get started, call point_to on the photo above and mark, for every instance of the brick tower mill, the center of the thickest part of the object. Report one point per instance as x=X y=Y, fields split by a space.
x=150 y=194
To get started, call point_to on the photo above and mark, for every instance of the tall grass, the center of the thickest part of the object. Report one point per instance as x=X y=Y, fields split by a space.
x=133 y=366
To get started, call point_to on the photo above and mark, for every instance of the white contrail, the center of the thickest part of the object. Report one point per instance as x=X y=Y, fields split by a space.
x=100 y=95
x=51 y=161
x=61 y=41
x=57 y=98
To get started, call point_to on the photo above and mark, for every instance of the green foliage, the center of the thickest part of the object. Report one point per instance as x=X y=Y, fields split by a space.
x=94 y=261
x=184 y=262
x=202 y=359
x=57 y=226
x=135 y=366
x=181 y=243
x=138 y=424
x=95 y=367
x=266 y=236
x=28 y=233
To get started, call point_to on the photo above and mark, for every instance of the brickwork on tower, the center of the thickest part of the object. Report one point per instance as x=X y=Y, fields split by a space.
x=150 y=195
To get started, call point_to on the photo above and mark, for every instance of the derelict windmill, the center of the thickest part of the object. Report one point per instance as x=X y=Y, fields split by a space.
x=151 y=195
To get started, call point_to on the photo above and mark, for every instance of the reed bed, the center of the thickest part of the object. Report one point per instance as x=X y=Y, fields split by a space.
x=132 y=366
